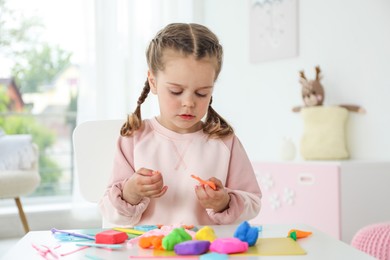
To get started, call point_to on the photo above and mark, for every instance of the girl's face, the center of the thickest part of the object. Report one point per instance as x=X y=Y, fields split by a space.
x=184 y=89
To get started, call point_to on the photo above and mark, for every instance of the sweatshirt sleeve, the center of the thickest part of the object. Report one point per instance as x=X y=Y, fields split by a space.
x=115 y=210
x=242 y=187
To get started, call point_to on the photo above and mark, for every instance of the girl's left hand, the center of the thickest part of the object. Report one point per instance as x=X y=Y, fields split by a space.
x=218 y=199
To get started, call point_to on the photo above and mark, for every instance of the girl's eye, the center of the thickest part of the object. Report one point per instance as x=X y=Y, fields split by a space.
x=176 y=93
x=201 y=95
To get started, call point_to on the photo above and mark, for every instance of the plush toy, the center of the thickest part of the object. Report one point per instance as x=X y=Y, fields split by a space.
x=324 y=134
x=313 y=93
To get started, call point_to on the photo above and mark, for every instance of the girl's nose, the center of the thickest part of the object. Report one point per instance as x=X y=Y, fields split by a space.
x=188 y=101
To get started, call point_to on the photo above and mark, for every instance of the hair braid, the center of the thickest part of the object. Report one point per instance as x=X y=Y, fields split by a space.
x=134 y=120
x=216 y=126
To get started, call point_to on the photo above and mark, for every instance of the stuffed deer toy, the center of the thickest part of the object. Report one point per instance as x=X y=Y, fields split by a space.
x=313 y=93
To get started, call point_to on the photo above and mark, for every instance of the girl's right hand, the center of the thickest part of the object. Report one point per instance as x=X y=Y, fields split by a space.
x=144 y=183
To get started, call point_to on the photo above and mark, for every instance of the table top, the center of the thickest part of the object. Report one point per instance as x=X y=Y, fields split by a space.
x=317 y=246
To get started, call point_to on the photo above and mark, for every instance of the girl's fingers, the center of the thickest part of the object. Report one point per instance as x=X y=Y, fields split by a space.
x=217 y=182
x=155 y=193
x=148 y=177
x=201 y=192
x=205 y=192
x=145 y=172
x=153 y=186
x=161 y=193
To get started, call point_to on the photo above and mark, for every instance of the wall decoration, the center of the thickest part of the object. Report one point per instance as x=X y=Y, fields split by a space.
x=273 y=29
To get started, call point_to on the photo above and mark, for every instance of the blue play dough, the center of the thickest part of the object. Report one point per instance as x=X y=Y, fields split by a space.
x=192 y=247
x=246 y=233
x=145 y=227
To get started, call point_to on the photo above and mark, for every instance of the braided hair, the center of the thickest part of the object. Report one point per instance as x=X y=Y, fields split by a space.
x=188 y=39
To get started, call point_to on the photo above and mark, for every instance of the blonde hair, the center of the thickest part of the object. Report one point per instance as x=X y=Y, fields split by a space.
x=188 y=39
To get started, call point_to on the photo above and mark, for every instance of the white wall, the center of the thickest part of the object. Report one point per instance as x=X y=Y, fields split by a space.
x=350 y=40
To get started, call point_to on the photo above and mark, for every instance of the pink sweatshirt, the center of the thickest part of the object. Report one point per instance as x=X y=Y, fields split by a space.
x=177 y=156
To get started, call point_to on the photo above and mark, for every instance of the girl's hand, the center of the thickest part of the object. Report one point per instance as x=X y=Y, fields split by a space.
x=143 y=183
x=218 y=199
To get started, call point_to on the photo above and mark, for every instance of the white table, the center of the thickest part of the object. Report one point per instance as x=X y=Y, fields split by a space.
x=318 y=246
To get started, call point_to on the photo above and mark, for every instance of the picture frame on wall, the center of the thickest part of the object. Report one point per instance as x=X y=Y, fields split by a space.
x=273 y=30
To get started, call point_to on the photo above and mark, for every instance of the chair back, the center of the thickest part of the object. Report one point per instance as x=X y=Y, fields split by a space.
x=94 y=147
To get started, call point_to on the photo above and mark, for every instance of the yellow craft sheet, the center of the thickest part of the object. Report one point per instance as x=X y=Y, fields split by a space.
x=275 y=246
x=130 y=231
x=163 y=253
x=263 y=247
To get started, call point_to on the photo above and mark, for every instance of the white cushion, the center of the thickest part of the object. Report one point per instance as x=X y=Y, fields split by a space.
x=324 y=135
x=17 y=152
x=18 y=183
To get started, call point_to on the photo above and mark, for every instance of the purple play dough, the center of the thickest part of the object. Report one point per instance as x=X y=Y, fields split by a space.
x=192 y=247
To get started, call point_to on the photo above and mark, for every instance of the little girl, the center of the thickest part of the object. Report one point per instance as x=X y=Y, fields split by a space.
x=151 y=180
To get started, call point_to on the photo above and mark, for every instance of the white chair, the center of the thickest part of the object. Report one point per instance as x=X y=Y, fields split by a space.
x=94 y=147
x=18 y=182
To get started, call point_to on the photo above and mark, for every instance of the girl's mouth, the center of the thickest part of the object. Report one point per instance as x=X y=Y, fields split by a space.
x=186 y=117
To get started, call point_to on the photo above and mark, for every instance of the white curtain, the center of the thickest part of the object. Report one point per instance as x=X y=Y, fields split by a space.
x=114 y=72
x=118 y=32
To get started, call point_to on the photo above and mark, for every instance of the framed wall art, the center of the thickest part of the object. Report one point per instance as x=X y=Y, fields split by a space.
x=273 y=30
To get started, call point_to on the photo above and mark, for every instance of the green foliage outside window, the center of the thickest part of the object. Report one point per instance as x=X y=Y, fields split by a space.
x=40 y=67
x=36 y=64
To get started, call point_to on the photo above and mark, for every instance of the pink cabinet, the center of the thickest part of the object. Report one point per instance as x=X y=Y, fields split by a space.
x=325 y=195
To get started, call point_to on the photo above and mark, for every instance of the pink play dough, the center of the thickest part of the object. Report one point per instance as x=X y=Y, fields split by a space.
x=228 y=245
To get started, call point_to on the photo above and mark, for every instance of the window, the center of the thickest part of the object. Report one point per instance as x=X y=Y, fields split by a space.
x=41 y=48
x=74 y=52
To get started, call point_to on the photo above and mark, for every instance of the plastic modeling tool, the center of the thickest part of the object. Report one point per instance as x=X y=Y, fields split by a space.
x=111 y=246
x=210 y=183
x=54 y=230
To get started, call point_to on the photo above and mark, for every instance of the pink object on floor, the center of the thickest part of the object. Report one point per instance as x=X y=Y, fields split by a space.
x=374 y=240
